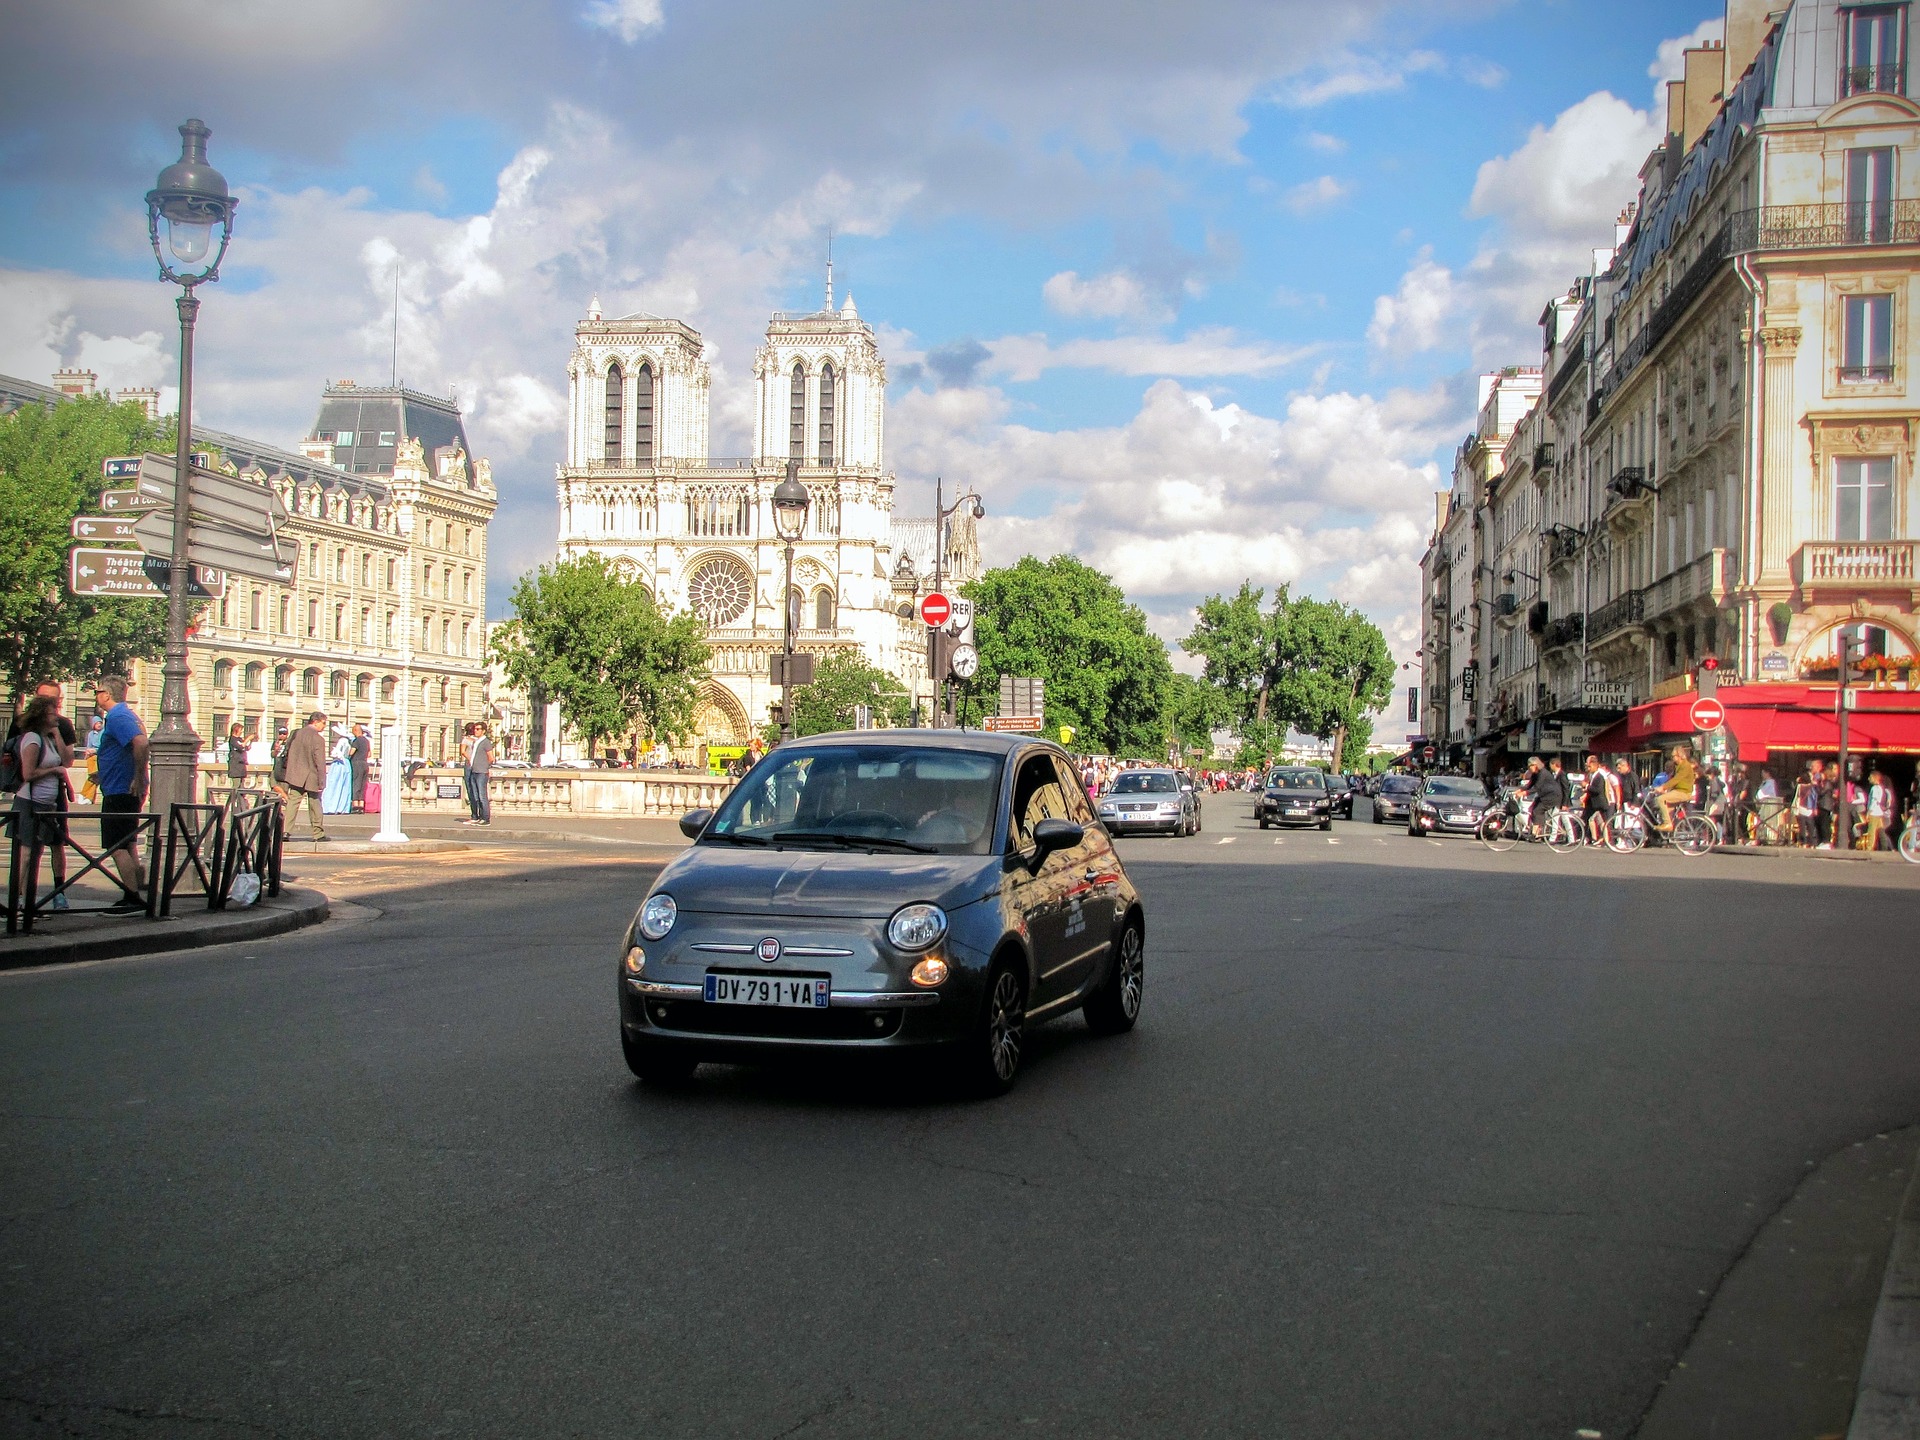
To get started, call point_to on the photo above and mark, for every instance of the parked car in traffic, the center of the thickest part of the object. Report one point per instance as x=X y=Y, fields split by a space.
x=882 y=891
x=1393 y=798
x=1295 y=796
x=1150 y=800
x=1340 y=792
x=1448 y=805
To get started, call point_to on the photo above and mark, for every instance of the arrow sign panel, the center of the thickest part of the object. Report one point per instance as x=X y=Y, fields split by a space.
x=241 y=552
x=222 y=499
x=103 y=528
x=120 y=467
x=130 y=500
x=129 y=573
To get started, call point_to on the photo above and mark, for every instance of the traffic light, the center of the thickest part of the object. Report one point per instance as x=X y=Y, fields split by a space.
x=1853 y=649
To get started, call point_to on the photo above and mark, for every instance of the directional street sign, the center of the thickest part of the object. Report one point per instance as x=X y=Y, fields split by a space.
x=935 y=608
x=1022 y=724
x=1707 y=713
x=129 y=573
x=960 y=619
x=241 y=552
x=130 y=500
x=120 y=467
x=103 y=528
x=220 y=499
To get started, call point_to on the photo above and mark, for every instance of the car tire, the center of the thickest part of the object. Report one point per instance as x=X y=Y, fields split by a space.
x=1113 y=1008
x=1263 y=822
x=989 y=1059
x=1327 y=824
x=655 y=1063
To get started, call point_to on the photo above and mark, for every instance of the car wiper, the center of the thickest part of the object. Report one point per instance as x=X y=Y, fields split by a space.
x=731 y=839
x=841 y=837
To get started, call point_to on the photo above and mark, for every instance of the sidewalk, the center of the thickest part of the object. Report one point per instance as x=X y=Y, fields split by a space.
x=62 y=939
x=546 y=829
x=1783 y=852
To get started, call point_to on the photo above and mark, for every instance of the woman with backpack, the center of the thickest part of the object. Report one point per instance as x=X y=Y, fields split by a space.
x=39 y=756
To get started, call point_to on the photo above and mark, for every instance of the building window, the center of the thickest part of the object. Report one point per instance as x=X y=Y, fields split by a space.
x=389 y=629
x=615 y=403
x=466 y=638
x=251 y=677
x=426 y=633
x=1870 y=195
x=310 y=682
x=386 y=437
x=1863 y=498
x=1866 y=341
x=253 y=611
x=337 y=685
x=340 y=564
x=387 y=686
x=362 y=687
x=313 y=619
x=222 y=675
x=366 y=569
x=283 y=680
x=286 y=615
x=797 y=415
x=823 y=610
x=466 y=587
x=826 y=414
x=446 y=637
x=1876 y=52
x=393 y=572
x=366 y=626
x=446 y=584
x=643 y=415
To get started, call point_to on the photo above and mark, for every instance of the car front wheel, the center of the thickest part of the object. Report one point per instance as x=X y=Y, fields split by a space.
x=990 y=1057
x=1112 y=1009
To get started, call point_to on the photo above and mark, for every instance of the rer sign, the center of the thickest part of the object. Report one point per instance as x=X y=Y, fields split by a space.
x=936 y=609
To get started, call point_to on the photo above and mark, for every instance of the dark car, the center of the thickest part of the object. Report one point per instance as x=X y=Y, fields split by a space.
x=1161 y=800
x=1340 y=791
x=1295 y=797
x=1447 y=805
x=1393 y=798
x=884 y=891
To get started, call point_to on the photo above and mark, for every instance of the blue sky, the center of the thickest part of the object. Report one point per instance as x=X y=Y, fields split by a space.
x=1192 y=291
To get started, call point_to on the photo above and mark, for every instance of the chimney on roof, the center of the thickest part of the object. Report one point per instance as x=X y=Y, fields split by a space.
x=1748 y=22
x=1705 y=67
x=75 y=382
x=146 y=397
x=1676 y=106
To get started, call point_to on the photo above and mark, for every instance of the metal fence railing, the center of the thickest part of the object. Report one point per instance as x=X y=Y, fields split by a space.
x=32 y=837
x=196 y=837
x=256 y=839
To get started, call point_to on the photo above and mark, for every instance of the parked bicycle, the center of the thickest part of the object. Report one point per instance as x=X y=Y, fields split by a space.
x=1910 y=836
x=1693 y=834
x=1508 y=822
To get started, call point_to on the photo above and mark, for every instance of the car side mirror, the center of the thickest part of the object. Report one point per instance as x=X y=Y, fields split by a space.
x=1052 y=835
x=693 y=822
x=1186 y=789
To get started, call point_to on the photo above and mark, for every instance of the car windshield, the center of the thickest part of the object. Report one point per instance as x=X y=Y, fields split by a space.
x=1136 y=783
x=1456 y=785
x=1296 y=780
x=1399 y=785
x=904 y=797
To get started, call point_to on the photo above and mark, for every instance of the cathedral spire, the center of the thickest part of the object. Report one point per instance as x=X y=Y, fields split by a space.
x=829 y=305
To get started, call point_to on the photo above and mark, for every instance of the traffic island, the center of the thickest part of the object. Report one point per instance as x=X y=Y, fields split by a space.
x=66 y=939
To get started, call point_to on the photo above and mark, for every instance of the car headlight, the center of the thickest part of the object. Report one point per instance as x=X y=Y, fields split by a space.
x=657 y=916
x=636 y=961
x=915 y=927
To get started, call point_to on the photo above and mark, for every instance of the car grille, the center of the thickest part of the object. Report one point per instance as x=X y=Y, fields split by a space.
x=767 y=1022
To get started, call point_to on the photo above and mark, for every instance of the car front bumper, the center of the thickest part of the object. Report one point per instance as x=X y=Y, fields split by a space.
x=1442 y=825
x=1122 y=824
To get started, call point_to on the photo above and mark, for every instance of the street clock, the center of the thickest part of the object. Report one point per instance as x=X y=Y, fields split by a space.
x=965 y=662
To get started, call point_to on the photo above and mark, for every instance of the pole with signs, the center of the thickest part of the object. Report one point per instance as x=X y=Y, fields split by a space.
x=1843 y=708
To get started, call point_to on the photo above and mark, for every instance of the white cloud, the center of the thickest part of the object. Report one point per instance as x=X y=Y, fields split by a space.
x=1349 y=75
x=1114 y=295
x=1669 y=60
x=1324 y=143
x=1477 y=70
x=627 y=19
x=1570 y=177
x=1208 y=351
x=1316 y=194
x=1413 y=318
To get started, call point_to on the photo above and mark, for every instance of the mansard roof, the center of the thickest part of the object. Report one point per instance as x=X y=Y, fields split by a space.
x=370 y=414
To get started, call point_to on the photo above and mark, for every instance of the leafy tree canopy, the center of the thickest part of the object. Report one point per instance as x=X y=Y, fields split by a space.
x=842 y=682
x=49 y=473
x=1106 y=674
x=598 y=646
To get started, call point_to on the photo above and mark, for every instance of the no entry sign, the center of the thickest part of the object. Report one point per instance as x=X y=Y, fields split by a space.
x=935 y=609
x=1707 y=714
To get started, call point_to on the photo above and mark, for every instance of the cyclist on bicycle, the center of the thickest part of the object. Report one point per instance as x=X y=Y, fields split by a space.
x=1678 y=791
x=1603 y=792
x=1530 y=792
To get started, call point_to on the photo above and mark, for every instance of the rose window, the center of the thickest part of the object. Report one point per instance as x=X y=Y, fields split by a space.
x=720 y=590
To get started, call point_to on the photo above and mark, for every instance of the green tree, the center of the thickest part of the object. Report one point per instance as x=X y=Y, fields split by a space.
x=1260 y=742
x=49 y=473
x=1193 y=709
x=1106 y=674
x=597 y=645
x=1332 y=672
x=842 y=682
x=1234 y=639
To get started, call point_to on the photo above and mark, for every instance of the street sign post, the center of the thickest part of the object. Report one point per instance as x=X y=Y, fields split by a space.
x=120 y=467
x=214 y=498
x=103 y=529
x=1706 y=713
x=242 y=552
x=129 y=574
x=131 y=500
x=935 y=608
x=960 y=620
x=1020 y=724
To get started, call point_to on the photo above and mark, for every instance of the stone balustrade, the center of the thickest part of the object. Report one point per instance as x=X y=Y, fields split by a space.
x=611 y=794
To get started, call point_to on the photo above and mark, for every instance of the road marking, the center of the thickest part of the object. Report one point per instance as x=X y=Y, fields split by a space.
x=1332 y=841
x=1280 y=842
x=1435 y=843
x=1224 y=840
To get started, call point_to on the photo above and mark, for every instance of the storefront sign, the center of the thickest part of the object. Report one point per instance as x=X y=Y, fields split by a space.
x=1774 y=662
x=1606 y=694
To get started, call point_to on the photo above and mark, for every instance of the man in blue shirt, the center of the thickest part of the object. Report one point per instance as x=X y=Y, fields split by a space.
x=122 y=778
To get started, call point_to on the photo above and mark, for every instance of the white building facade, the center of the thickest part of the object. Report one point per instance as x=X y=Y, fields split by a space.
x=639 y=488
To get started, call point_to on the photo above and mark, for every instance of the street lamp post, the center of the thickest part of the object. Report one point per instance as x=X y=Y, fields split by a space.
x=790 y=502
x=192 y=198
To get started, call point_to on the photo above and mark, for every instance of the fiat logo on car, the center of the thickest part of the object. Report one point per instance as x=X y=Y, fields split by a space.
x=769 y=949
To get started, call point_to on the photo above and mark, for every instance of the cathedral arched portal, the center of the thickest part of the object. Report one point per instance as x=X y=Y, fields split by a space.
x=718 y=718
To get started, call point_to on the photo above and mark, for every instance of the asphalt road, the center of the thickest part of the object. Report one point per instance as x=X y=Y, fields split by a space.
x=1411 y=1140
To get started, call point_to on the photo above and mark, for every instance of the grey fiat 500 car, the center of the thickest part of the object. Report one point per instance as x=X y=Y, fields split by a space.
x=881 y=890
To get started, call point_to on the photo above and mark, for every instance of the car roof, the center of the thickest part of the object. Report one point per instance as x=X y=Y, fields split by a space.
x=991 y=742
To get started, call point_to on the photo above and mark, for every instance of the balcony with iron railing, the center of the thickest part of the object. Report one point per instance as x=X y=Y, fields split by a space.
x=1565 y=631
x=1873 y=80
x=1563 y=545
x=1631 y=486
x=1855 y=565
x=1706 y=578
x=1621 y=613
x=1810 y=227
x=1542 y=457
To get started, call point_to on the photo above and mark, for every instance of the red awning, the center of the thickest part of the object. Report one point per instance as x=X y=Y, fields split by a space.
x=1772 y=719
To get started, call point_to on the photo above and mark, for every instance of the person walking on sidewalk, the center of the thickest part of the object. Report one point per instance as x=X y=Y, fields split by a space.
x=306 y=772
x=122 y=777
x=43 y=748
x=236 y=767
x=360 y=759
x=479 y=759
x=63 y=799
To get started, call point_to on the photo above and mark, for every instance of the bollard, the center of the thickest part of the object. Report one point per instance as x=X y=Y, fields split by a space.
x=392 y=776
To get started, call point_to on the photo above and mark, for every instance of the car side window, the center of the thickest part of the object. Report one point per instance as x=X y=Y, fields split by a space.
x=1037 y=796
x=1078 y=810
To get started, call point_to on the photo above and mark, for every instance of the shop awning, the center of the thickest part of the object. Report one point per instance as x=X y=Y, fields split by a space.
x=1776 y=719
